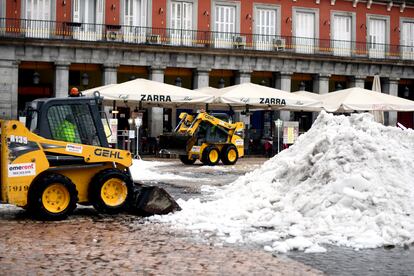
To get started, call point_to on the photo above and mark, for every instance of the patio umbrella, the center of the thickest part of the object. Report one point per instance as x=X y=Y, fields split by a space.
x=376 y=86
x=259 y=96
x=359 y=99
x=147 y=91
x=307 y=94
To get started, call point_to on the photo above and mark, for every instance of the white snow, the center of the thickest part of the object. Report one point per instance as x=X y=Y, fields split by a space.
x=147 y=171
x=348 y=181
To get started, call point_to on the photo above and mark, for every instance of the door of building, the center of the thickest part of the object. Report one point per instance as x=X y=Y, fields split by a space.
x=181 y=22
x=224 y=26
x=134 y=20
x=376 y=38
x=37 y=15
x=407 y=37
x=305 y=32
x=342 y=35
x=265 y=31
x=90 y=14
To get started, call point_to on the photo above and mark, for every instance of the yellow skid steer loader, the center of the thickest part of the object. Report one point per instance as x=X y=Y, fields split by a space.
x=61 y=158
x=205 y=137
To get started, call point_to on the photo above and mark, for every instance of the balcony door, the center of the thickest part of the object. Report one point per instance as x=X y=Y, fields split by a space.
x=407 y=40
x=265 y=30
x=305 y=32
x=134 y=20
x=376 y=37
x=224 y=26
x=342 y=35
x=181 y=23
x=90 y=14
x=37 y=15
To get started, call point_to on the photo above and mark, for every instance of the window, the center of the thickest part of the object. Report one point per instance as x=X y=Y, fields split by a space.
x=224 y=22
x=266 y=20
x=37 y=18
x=342 y=34
x=407 y=39
x=305 y=30
x=90 y=14
x=134 y=20
x=377 y=36
x=72 y=123
x=2 y=16
x=181 y=23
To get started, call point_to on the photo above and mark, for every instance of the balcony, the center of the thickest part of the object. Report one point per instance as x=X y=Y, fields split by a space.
x=52 y=30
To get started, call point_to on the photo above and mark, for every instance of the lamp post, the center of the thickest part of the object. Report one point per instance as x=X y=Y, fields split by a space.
x=130 y=122
x=278 y=124
x=138 y=123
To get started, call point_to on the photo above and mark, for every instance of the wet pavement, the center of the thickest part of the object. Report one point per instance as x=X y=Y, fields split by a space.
x=89 y=243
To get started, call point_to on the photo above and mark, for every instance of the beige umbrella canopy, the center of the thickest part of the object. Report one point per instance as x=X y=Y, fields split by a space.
x=147 y=91
x=307 y=94
x=359 y=99
x=259 y=96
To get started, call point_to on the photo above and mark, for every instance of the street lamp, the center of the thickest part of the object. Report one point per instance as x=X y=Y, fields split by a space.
x=278 y=124
x=406 y=92
x=221 y=83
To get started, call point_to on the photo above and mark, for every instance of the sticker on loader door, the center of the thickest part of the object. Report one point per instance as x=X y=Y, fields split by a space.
x=73 y=148
x=195 y=149
x=239 y=142
x=23 y=169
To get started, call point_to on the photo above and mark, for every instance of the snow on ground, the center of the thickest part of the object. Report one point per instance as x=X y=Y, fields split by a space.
x=148 y=171
x=348 y=181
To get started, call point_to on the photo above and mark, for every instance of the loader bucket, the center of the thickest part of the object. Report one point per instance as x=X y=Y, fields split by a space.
x=174 y=143
x=152 y=200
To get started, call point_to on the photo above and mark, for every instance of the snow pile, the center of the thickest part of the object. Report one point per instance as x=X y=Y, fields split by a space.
x=148 y=171
x=348 y=181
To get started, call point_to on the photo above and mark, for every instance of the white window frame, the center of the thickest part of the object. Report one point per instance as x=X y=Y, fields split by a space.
x=38 y=29
x=89 y=31
x=226 y=42
x=3 y=15
x=406 y=53
x=345 y=52
x=187 y=37
x=312 y=45
x=386 y=18
x=259 y=43
x=136 y=33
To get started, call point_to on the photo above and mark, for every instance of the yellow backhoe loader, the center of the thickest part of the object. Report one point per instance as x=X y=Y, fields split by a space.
x=205 y=137
x=61 y=158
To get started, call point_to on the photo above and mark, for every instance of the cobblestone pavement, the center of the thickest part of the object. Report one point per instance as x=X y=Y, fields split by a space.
x=89 y=243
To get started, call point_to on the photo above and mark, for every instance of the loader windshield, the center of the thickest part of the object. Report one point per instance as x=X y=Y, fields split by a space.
x=72 y=123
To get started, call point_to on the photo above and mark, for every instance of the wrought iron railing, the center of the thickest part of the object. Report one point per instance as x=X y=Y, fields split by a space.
x=39 y=29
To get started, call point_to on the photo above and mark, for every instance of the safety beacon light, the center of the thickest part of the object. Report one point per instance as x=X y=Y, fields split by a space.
x=74 y=92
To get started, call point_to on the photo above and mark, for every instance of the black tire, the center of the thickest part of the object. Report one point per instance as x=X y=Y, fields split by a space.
x=210 y=156
x=185 y=160
x=124 y=182
x=229 y=155
x=52 y=197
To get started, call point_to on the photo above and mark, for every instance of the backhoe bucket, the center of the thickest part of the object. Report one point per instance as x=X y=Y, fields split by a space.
x=152 y=200
x=174 y=143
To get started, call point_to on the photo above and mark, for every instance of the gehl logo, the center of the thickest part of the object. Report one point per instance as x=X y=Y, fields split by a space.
x=155 y=98
x=108 y=153
x=272 y=101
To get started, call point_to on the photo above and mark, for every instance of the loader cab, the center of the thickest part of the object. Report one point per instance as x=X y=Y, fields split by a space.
x=47 y=118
